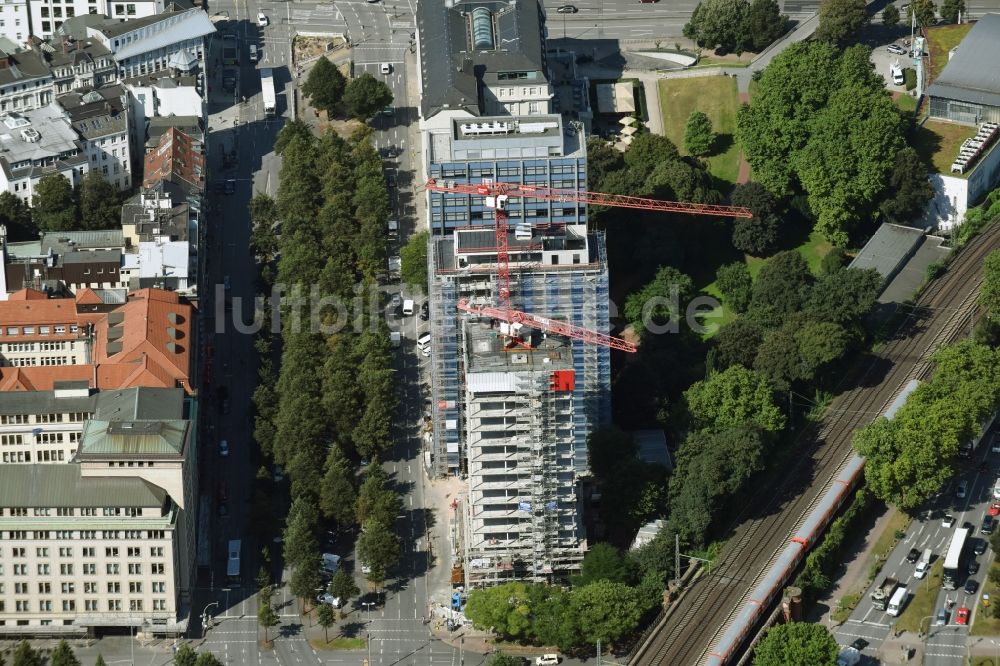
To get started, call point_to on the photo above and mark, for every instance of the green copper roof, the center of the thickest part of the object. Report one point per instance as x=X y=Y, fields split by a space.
x=141 y=439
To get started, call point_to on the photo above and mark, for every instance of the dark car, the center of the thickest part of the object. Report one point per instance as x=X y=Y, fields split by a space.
x=424 y=311
x=913 y=555
x=980 y=547
x=987 y=527
x=860 y=644
x=971 y=586
x=567 y=9
x=973 y=567
x=230 y=186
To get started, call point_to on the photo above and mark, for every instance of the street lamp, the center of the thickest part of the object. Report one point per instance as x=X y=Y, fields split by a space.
x=204 y=617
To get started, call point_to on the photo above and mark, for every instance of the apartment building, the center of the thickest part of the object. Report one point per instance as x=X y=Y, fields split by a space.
x=78 y=64
x=36 y=143
x=14 y=19
x=47 y=16
x=62 y=262
x=104 y=542
x=522 y=520
x=146 y=341
x=46 y=426
x=163 y=234
x=25 y=81
x=173 y=39
x=101 y=117
x=487 y=114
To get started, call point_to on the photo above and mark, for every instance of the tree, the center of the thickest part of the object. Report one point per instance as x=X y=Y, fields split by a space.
x=909 y=187
x=342 y=585
x=100 y=661
x=337 y=497
x=925 y=12
x=756 y=235
x=413 y=257
x=267 y=618
x=764 y=24
x=605 y=611
x=778 y=358
x=796 y=644
x=379 y=548
x=781 y=288
x=756 y=197
x=306 y=578
x=506 y=608
x=604 y=562
x=840 y=21
x=951 y=10
x=819 y=343
x=289 y=131
x=16 y=216
x=736 y=285
x=719 y=23
x=326 y=617
x=737 y=343
x=100 y=203
x=989 y=291
x=264 y=216
x=365 y=96
x=503 y=659
x=833 y=261
x=890 y=16
x=207 y=659
x=698 y=134
x=845 y=296
x=734 y=397
x=53 y=208
x=63 y=656
x=185 y=656
x=661 y=301
x=25 y=655
x=325 y=85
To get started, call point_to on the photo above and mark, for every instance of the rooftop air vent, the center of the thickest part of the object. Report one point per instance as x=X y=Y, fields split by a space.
x=30 y=135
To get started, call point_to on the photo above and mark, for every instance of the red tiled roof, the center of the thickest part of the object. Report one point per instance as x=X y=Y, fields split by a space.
x=28 y=295
x=88 y=296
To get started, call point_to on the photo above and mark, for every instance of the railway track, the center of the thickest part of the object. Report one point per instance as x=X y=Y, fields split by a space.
x=943 y=313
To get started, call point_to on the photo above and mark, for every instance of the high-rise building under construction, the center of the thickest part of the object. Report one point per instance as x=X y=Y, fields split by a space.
x=513 y=419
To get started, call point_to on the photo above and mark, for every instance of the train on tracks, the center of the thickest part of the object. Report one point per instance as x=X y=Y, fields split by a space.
x=770 y=586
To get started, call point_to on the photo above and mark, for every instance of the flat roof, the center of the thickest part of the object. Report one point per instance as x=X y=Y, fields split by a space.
x=972 y=73
x=487 y=350
x=885 y=251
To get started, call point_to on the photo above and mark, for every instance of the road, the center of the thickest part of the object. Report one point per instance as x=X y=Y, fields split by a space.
x=946 y=646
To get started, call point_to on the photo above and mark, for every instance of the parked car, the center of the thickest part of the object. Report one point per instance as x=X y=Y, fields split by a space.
x=230 y=186
x=896 y=48
x=994 y=509
x=995 y=442
x=279 y=474
x=385 y=68
x=963 y=488
x=913 y=555
x=262 y=19
x=973 y=567
x=547 y=660
x=962 y=617
x=971 y=586
x=327 y=598
x=223 y=448
x=396 y=301
x=941 y=618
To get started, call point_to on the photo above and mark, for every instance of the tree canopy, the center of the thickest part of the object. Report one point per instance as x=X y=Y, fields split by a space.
x=325 y=85
x=890 y=16
x=989 y=291
x=925 y=11
x=365 y=96
x=731 y=398
x=100 y=203
x=736 y=25
x=413 y=257
x=796 y=644
x=699 y=136
x=836 y=135
x=53 y=207
x=840 y=21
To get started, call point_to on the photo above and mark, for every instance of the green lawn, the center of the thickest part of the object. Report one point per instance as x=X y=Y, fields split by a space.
x=716 y=97
x=718 y=317
x=941 y=40
x=938 y=143
x=983 y=625
x=906 y=103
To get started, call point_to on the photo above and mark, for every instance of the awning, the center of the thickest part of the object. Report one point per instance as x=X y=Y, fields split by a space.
x=627 y=120
x=629 y=131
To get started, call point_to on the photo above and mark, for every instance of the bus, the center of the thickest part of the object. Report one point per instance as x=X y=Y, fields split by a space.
x=953 y=561
x=233 y=563
x=267 y=91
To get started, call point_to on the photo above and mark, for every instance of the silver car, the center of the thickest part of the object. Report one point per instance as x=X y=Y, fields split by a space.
x=896 y=48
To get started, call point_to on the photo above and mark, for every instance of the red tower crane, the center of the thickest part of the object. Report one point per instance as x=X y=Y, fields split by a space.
x=497 y=195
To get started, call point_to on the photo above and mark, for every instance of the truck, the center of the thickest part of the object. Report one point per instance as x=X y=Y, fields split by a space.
x=849 y=656
x=882 y=593
x=230 y=50
x=267 y=89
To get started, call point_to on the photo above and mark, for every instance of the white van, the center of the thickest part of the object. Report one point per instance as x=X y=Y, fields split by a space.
x=924 y=565
x=408 y=307
x=996 y=490
x=897 y=602
x=424 y=343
